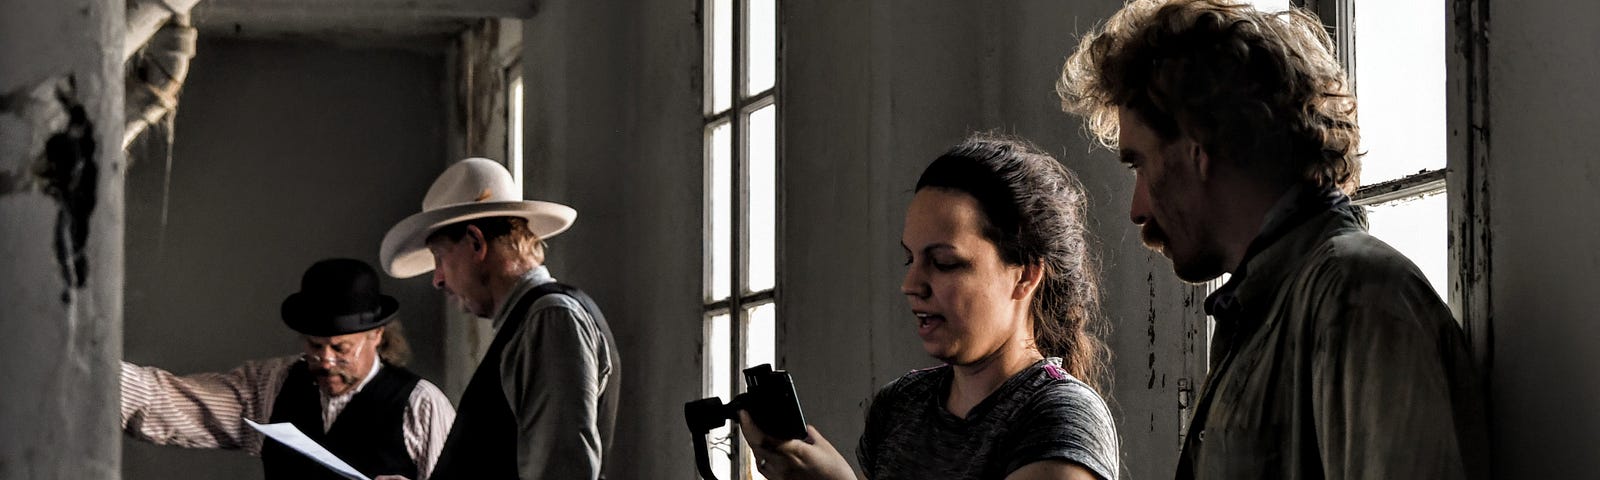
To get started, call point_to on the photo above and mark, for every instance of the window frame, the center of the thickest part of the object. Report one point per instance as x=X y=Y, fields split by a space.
x=740 y=302
x=1463 y=180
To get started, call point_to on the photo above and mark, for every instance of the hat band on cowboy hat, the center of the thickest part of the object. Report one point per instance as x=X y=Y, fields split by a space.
x=470 y=189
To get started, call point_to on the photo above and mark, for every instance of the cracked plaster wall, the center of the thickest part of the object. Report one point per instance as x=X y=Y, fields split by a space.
x=61 y=208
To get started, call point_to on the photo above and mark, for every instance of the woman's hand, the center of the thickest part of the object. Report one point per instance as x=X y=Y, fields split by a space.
x=810 y=459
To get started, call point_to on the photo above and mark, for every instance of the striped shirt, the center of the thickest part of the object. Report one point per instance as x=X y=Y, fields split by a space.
x=207 y=410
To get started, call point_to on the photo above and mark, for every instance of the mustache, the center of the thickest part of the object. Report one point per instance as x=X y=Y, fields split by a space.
x=1153 y=236
x=342 y=374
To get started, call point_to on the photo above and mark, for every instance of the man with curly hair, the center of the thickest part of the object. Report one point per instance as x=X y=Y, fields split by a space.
x=1332 y=356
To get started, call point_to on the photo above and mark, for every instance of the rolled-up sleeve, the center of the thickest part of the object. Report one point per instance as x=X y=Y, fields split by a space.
x=428 y=419
x=203 y=410
x=552 y=379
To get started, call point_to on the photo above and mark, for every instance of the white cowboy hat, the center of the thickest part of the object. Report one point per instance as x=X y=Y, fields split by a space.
x=470 y=189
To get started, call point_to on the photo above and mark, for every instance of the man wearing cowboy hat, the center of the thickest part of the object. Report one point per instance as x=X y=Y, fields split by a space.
x=542 y=402
x=346 y=391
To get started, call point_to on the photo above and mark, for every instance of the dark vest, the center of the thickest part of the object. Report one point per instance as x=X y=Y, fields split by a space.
x=369 y=433
x=483 y=441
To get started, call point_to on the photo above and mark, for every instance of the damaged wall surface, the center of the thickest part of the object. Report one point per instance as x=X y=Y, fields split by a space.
x=61 y=207
x=286 y=153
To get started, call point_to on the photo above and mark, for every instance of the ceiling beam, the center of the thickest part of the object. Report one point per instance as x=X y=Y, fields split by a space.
x=224 y=10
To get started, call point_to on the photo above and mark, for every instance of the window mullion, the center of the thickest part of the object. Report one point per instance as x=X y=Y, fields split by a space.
x=739 y=210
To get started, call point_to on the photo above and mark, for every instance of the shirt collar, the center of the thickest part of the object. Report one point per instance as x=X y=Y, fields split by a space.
x=535 y=277
x=1296 y=207
x=376 y=364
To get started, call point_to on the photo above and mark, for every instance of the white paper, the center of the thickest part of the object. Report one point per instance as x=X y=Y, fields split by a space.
x=287 y=434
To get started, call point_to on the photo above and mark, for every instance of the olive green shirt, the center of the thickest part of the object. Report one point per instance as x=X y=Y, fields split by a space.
x=1333 y=357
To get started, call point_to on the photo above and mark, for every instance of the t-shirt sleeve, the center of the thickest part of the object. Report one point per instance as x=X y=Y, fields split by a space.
x=1067 y=422
x=872 y=435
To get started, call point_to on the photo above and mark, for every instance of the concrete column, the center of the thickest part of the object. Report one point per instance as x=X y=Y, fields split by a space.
x=61 y=224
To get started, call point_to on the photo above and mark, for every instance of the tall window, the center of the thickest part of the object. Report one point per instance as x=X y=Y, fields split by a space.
x=1400 y=86
x=741 y=199
x=1395 y=52
x=514 y=125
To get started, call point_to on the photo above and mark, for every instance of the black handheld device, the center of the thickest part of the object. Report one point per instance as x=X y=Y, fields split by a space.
x=771 y=401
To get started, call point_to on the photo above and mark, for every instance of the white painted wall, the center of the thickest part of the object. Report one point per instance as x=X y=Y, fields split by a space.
x=1544 y=185
x=613 y=129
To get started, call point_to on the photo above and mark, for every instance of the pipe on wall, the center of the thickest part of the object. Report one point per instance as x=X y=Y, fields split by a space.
x=155 y=75
x=145 y=18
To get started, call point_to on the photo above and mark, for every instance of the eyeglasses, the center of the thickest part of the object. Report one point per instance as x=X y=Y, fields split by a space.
x=341 y=353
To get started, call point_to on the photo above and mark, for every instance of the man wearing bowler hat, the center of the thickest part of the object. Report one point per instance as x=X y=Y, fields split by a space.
x=347 y=391
x=542 y=402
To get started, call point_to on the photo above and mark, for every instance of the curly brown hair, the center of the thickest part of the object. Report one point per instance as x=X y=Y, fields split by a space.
x=1035 y=213
x=1262 y=90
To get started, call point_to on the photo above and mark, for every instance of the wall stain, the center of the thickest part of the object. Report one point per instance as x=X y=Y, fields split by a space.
x=1150 y=330
x=13 y=182
x=71 y=176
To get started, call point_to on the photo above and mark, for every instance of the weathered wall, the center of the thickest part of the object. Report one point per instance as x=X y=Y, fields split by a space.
x=875 y=91
x=1544 y=182
x=613 y=129
x=286 y=153
x=61 y=207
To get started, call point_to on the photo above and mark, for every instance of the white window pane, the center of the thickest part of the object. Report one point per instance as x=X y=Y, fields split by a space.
x=750 y=466
x=717 y=384
x=720 y=216
x=717 y=374
x=763 y=224
x=760 y=336
x=1417 y=228
x=760 y=346
x=761 y=54
x=514 y=133
x=1271 y=5
x=721 y=85
x=1400 y=87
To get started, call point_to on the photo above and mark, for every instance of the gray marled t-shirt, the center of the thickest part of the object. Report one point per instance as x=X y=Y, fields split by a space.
x=1039 y=414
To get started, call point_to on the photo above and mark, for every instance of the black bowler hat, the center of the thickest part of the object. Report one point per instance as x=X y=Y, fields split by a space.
x=338 y=296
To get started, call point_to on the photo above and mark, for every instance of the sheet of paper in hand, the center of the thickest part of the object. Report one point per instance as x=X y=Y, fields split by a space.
x=286 y=434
